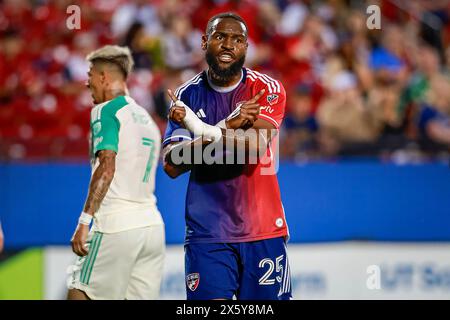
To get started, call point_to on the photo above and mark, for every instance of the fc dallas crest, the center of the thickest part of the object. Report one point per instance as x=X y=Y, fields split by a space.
x=192 y=281
x=272 y=99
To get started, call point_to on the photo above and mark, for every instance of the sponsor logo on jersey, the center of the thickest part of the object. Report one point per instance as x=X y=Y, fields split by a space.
x=201 y=113
x=268 y=109
x=192 y=281
x=272 y=99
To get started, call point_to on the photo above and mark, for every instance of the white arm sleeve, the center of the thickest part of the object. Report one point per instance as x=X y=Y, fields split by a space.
x=197 y=126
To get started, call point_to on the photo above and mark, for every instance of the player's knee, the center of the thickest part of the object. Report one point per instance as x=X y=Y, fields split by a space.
x=76 y=294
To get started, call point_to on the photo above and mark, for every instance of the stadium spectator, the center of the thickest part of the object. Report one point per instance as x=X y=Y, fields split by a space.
x=44 y=107
x=293 y=17
x=427 y=66
x=143 y=11
x=300 y=126
x=181 y=45
x=146 y=52
x=344 y=120
x=434 y=118
x=387 y=59
x=171 y=79
x=382 y=103
x=13 y=79
x=76 y=65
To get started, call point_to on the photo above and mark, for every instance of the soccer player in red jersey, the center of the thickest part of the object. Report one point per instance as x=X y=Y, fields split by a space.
x=236 y=230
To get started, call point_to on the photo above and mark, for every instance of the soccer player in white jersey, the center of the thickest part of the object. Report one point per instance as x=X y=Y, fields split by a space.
x=122 y=256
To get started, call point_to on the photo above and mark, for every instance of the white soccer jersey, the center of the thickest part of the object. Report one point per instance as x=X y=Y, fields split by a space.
x=125 y=127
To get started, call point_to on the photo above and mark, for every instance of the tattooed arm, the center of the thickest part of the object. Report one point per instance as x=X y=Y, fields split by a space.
x=99 y=185
x=100 y=181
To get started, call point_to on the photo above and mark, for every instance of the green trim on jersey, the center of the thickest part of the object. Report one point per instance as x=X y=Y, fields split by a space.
x=88 y=264
x=150 y=143
x=105 y=126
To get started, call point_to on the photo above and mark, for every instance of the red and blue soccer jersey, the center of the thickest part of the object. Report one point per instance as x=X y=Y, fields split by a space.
x=228 y=203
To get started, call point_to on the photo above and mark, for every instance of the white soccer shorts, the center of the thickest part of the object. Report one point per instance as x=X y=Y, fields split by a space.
x=122 y=265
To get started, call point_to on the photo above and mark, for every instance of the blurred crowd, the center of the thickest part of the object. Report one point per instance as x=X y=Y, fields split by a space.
x=352 y=91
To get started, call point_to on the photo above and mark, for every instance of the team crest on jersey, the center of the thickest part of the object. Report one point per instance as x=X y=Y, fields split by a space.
x=272 y=99
x=192 y=281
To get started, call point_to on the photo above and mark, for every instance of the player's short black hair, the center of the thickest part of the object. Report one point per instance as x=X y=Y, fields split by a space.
x=223 y=15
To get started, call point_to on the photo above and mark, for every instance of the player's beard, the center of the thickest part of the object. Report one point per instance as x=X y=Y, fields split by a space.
x=223 y=76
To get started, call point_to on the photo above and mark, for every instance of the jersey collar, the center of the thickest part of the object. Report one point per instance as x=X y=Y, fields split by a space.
x=225 y=89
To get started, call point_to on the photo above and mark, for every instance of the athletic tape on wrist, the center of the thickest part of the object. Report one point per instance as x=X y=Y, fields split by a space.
x=191 y=121
x=85 y=218
x=197 y=126
x=222 y=124
x=212 y=132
